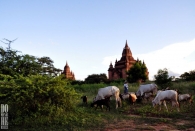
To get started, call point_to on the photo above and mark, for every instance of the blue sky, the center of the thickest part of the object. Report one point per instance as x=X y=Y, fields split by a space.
x=89 y=34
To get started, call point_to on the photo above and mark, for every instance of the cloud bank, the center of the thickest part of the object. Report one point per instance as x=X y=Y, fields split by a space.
x=174 y=57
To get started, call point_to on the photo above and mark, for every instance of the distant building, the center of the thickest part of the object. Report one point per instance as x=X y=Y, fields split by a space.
x=68 y=74
x=122 y=66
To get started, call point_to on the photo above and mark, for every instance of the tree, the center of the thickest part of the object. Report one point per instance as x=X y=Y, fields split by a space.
x=8 y=61
x=14 y=64
x=96 y=78
x=47 y=66
x=188 y=76
x=162 y=78
x=138 y=72
x=185 y=76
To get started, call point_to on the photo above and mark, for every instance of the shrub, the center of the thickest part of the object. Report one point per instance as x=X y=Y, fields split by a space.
x=37 y=95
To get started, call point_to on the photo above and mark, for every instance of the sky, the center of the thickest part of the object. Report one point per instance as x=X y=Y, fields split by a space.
x=89 y=34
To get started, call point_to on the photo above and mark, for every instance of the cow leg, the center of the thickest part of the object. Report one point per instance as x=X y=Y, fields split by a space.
x=117 y=98
x=116 y=102
x=101 y=107
x=177 y=106
x=119 y=101
x=164 y=103
x=160 y=106
x=142 y=94
x=175 y=103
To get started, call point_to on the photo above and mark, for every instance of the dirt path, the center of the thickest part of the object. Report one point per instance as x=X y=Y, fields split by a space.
x=131 y=126
x=135 y=125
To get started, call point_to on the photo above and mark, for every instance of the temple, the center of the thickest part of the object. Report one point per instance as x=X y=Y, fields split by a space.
x=122 y=66
x=68 y=74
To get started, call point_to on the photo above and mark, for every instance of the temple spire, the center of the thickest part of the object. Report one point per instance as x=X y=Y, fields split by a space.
x=126 y=51
x=126 y=45
x=68 y=73
x=66 y=63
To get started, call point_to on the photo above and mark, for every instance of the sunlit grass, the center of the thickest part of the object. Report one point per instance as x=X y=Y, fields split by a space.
x=85 y=117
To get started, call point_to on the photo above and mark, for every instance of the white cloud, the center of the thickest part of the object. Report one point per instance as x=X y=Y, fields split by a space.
x=94 y=67
x=173 y=57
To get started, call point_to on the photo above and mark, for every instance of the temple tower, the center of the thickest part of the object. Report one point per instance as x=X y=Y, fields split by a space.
x=68 y=74
x=121 y=66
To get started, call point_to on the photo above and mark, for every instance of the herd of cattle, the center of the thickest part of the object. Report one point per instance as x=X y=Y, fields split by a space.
x=146 y=91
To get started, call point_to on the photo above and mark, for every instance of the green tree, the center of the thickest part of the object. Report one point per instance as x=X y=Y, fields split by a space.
x=27 y=65
x=96 y=78
x=188 y=76
x=162 y=78
x=138 y=72
x=47 y=67
x=185 y=76
x=8 y=62
x=14 y=64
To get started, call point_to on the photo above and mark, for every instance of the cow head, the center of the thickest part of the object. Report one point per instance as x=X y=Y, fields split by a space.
x=153 y=103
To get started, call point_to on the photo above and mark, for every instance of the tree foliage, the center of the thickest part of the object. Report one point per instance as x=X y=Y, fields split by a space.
x=188 y=76
x=27 y=85
x=138 y=72
x=96 y=78
x=12 y=63
x=36 y=96
x=162 y=78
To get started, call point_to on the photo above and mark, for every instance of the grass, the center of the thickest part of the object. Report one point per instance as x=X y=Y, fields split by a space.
x=87 y=118
x=149 y=114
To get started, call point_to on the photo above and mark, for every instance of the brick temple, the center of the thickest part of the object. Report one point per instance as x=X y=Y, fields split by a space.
x=68 y=74
x=122 y=66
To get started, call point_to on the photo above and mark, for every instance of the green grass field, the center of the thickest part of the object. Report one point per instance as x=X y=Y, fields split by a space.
x=137 y=116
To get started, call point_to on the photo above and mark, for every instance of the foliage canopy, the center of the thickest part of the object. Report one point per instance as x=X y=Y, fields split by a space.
x=188 y=76
x=96 y=78
x=138 y=72
x=14 y=64
x=162 y=78
x=32 y=89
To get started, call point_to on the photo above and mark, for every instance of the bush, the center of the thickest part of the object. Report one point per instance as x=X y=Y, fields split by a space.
x=37 y=95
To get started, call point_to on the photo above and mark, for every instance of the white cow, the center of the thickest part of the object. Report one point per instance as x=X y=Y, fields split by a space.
x=107 y=92
x=185 y=97
x=162 y=96
x=148 y=95
x=146 y=88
